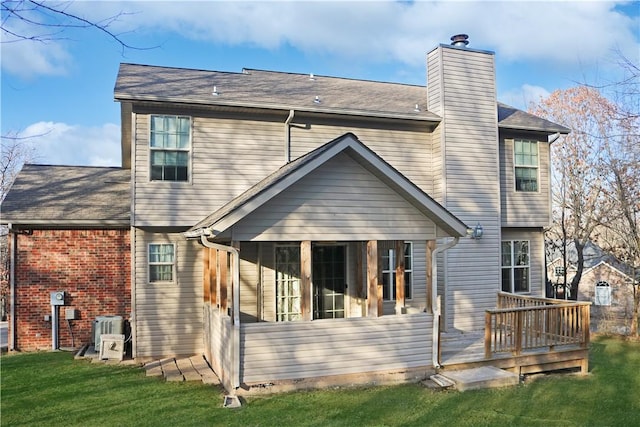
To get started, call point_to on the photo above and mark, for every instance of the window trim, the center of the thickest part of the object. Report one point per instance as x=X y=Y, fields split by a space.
x=392 y=273
x=512 y=266
x=516 y=166
x=173 y=264
x=602 y=284
x=188 y=150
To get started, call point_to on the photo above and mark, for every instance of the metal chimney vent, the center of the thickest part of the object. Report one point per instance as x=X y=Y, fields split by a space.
x=460 y=40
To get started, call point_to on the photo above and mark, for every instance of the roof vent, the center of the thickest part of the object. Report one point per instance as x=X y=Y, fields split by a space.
x=215 y=91
x=312 y=77
x=460 y=40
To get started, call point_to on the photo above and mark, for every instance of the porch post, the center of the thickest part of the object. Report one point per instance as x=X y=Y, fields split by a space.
x=206 y=282
x=213 y=274
x=431 y=245
x=372 y=279
x=224 y=281
x=305 y=279
x=400 y=268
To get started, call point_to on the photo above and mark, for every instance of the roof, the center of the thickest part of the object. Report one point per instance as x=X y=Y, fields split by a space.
x=287 y=91
x=276 y=183
x=68 y=195
x=512 y=118
x=274 y=90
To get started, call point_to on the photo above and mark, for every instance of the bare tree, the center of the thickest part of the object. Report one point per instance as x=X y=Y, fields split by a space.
x=42 y=21
x=580 y=203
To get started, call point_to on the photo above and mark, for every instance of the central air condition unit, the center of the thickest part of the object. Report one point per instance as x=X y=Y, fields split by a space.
x=106 y=325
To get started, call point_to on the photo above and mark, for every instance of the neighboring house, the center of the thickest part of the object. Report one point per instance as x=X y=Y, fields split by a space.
x=69 y=231
x=290 y=226
x=605 y=282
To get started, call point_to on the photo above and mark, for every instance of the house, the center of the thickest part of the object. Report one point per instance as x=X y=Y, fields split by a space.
x=69 y=232
x=296 y=227
x=606 y=282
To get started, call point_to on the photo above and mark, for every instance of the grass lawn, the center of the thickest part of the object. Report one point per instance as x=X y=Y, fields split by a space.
x=53 y=389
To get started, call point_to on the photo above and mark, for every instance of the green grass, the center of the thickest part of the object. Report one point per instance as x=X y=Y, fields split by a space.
x=53 y=389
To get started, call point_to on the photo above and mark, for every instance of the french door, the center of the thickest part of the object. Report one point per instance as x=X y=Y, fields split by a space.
x=329 y=281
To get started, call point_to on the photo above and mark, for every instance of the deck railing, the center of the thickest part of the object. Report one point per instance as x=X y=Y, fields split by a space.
x=523 y=323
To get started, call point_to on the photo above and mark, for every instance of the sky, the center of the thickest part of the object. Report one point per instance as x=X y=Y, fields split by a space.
x=57 y=91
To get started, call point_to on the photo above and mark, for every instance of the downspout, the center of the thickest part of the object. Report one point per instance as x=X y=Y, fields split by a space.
x=235 y=349
x=12 y=287
x=434 y=299
x=287 y=137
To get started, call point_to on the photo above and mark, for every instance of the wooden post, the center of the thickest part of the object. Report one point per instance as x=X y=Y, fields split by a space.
x=487 y=335
x=206 y=276
x=305 y=279
x=223 y=258
x=431 y=246
x=400 y=268
x=517 y=330
x=213 y=274
x=372 y=279
x=232 y=276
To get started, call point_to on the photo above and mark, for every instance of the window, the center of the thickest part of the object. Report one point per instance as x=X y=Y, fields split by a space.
x=288 y=293
x=559 y=271
x=515 y=266
x=603 y=293
x=389 y=272
x=526 y=165
x=161 y=262
x=169 y=148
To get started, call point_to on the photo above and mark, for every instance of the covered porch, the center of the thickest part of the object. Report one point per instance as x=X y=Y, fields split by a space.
x=524 y=335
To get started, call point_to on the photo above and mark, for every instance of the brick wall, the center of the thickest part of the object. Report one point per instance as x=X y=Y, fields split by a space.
x=93 y=267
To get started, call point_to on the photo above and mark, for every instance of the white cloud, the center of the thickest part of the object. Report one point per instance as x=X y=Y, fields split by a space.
x=377 y=31
x=64 y=144
x=524 y=96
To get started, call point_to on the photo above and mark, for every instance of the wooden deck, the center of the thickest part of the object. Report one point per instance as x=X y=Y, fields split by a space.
x=524 y=335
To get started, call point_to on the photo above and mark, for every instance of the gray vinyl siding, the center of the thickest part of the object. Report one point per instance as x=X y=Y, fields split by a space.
x=227 y=157
x=519 y=208
x=218 y=344
x=296 y=350
x=408 y=151
x=461 y=87
x=536 y=256
x=168 y=316
x=249 y=282
x=338 y=201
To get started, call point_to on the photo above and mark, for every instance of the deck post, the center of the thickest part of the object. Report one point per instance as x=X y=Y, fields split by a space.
x=487 y=335
x=518 y=331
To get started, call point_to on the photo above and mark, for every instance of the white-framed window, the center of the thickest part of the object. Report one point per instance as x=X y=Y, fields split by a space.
x=602 y=295
x=288 y=291
x=515 y=266
x=169 y=147
x=162 y=262
x=389 y=272
x=526 y=161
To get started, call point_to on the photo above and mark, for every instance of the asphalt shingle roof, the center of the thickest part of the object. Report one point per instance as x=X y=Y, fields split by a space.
x=285 y=91
x=68 y=195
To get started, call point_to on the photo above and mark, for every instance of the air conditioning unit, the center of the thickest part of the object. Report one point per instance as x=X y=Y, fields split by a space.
x=106 y=325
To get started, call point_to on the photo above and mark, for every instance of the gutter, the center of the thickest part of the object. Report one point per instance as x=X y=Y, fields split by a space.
x=434 y=299
x=235 y=328
x=287 y=137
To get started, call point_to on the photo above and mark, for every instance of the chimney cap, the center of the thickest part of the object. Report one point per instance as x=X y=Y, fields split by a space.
x=460 y=40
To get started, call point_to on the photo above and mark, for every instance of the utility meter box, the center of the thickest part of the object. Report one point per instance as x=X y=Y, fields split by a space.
x=57 y=298
x=70 y=314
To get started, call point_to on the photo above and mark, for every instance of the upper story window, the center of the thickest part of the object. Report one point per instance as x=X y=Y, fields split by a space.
x=389 y=272
x=169 y=144
x=526 y=165
x=515 y=266
x=162 y=262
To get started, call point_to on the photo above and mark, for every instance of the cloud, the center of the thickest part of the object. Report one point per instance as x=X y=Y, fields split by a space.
x=524 y=96
x=64 y=144
x=373 y=31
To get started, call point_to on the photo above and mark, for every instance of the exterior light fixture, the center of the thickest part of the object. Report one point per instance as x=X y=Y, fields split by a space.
x=317 y=100
x=476 y=232
x=417 y=109
x=215 y=91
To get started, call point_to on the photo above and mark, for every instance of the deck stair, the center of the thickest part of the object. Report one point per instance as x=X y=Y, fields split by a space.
x=193 y=368
x=475 y=378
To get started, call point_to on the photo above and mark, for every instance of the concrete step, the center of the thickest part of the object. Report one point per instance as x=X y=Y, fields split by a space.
x=484 y=377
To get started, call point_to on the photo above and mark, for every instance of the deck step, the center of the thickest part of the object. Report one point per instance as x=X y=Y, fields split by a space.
x=484 y=377
x=442 y=381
